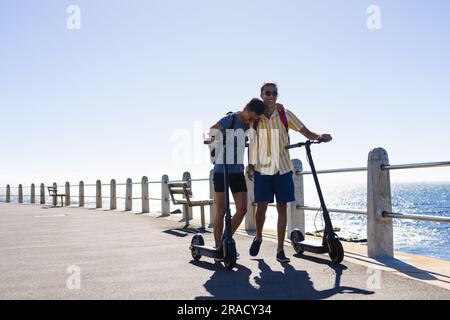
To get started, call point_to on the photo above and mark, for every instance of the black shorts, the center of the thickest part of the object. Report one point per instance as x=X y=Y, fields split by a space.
x=235 y=180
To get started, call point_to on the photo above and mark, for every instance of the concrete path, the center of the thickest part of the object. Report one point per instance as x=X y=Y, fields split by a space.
x=127 y=256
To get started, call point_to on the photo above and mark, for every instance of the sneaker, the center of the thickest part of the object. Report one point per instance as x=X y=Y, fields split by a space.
x=281 y=257
x=254 y=248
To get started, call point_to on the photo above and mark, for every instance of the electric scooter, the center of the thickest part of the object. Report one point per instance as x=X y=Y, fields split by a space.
x=330 y=241
x=227 y=248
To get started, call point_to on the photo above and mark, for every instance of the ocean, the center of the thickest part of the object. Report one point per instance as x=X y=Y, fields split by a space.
x=417 y=237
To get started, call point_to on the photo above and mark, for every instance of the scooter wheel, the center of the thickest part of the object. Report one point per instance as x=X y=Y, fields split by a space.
x=335 y=250
x=197 y=240
x=297 y=236
x=230 y=256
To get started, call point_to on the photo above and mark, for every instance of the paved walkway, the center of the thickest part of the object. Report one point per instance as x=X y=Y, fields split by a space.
x=127 y=256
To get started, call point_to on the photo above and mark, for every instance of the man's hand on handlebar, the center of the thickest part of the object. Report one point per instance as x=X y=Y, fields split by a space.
x=325 y=137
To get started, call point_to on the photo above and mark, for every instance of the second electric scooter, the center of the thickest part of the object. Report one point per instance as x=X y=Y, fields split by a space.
x=227 y=249
x=330 y=241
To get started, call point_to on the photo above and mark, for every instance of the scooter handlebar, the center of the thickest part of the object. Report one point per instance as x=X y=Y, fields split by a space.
x=302 y=144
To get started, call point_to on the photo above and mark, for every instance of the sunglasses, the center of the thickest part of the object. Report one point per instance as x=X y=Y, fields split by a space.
x=270 y=93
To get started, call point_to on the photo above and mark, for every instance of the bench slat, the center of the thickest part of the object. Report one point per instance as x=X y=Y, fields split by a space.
x=176 y=191
x=177 y=184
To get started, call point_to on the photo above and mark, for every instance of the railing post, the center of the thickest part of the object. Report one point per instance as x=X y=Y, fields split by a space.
x=81 y=194
x=42 y=195
x=380 y=234
x=129 y=195
x=212 y=195
x=8 y=194
x=67 y=193
x=113 y=195
x=98 y=194
x=144 y=191
x=165 y=196
x=296 y=217
x=250 y=224
x=187 y=211
x=55 y=200
x=20 y=194
x=33 y=194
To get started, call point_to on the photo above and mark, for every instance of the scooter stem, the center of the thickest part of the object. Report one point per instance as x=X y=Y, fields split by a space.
x=326 y=215
x=228 y=226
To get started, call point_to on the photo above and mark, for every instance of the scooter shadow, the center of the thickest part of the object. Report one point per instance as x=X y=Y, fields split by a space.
x=325 y=261
x=290 y=284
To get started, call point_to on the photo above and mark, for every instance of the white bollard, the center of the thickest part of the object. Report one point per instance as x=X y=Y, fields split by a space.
x=42 y=195
x=98 y=194
x=8 y=194
x=20 y=194
x=144 y=191
x=129 y=195
x=380 y=234
x=165 y=196
x=187 y=211
x=81 y=194
x=55 y=200
x=33 y=194
x=67 y=193
x=113 y=195
x=296 y=216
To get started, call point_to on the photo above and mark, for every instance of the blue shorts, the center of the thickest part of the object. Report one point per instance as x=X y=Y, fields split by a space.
x=282 y=186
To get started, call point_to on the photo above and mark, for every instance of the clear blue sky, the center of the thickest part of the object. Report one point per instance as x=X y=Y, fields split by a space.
x=108 y=100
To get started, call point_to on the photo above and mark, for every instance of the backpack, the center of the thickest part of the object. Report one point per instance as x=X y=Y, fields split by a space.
x=212 y=150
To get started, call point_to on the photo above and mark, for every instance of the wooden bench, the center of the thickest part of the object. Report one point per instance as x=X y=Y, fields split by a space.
x=54 y=193
x=184 y=190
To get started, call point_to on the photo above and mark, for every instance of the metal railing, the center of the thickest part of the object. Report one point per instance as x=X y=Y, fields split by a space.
x=416 y=165
x=378 y=193
x=356 y=169
x=419 y=217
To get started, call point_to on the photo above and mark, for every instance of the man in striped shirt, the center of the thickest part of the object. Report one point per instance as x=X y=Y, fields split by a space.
x=271 y=165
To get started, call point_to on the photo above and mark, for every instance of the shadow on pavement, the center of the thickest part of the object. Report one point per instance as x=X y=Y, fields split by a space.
x=290 y=284
x=403 y=267
x=407 y=269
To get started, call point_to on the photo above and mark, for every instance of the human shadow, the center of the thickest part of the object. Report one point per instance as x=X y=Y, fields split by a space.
x=227 y=284
x=338 y=268
x=297 y=284
x=289 y=284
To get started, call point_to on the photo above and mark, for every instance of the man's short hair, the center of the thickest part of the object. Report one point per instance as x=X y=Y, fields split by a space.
x=257 y=106
x=266 y=84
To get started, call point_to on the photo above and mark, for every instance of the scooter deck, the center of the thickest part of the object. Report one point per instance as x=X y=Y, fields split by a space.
x=208 y=251
x=314 y=246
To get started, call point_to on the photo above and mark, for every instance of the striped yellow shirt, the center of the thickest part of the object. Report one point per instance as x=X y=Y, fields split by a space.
x=267 y=150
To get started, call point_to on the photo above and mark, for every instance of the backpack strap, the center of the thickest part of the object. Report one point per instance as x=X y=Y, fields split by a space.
x=283 y=117
x=281 y=114
x=233 y=122
x=255 y=124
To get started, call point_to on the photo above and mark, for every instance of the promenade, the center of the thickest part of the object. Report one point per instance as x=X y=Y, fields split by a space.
x=142 y=256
